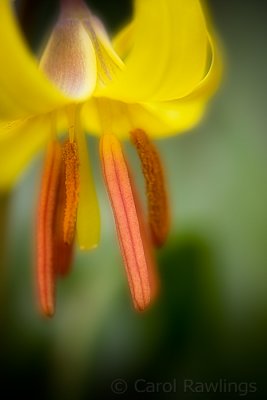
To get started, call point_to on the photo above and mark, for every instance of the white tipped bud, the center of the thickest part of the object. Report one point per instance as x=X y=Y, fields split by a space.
x=69 y=59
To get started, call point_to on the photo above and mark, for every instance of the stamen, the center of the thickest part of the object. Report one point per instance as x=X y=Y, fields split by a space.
x=88 y=215
x=134 y=243
x=45 y=224
x=158 y=205
x=72 y=183
x=63 y=251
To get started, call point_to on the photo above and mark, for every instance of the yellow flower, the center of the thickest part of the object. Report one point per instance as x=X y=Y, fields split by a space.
x=153 y=80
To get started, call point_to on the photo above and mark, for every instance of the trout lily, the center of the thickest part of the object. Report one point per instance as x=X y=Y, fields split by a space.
x=152 y=80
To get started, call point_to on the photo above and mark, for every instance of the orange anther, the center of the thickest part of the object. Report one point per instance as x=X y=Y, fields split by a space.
x=158 y=205
x=45 y=228
x=72 y=185
x=134 y=242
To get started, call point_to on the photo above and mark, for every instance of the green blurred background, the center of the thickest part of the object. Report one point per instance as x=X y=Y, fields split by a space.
x=210 y=322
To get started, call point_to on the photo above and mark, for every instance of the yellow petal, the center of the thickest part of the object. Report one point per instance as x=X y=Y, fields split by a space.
x=19 y=142
x=210 y=82
x=160 y=119
x=69 y=59
x=169 y=53
x=104 y=40
x=108 y=62
x=24 y=89
x=157 y=119
x=124 y=40
x=88 y=215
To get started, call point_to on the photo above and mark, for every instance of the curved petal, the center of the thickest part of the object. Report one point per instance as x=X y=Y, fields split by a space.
x=108 y=62
x=24 y=89
x=104 y=41
x=161 y=120
x=210 y=82
x=124 y=40
x=19 y=142
x=157 y=119
x=169 y=54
